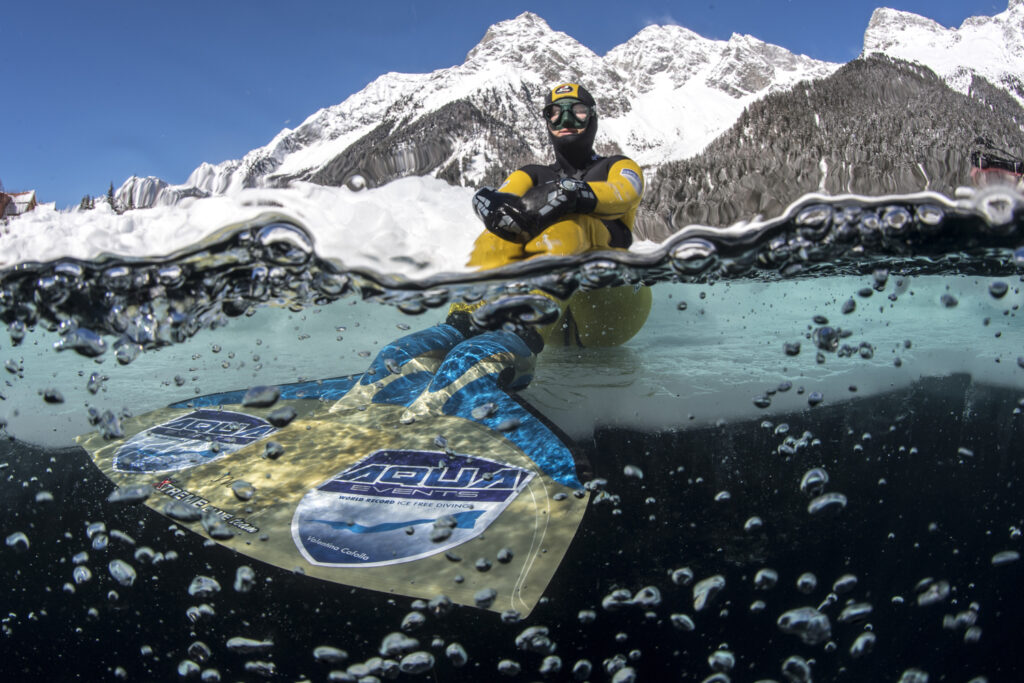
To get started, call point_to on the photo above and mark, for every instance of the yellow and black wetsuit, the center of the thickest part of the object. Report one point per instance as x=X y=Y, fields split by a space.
x=618 y=183
x=603 y=317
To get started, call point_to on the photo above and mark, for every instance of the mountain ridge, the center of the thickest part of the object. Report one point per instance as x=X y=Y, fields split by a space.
x=506 y=72
x=473 y=122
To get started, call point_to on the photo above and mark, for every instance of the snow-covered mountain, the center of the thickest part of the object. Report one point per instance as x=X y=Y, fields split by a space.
x=481 y=115
x=990 y=47
x=663 y=96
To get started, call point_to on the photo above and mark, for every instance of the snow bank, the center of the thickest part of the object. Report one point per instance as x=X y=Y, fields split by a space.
x=412 y=226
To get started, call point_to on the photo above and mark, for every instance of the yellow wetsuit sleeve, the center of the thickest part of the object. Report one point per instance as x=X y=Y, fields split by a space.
x=517 y=183
x=621 y=193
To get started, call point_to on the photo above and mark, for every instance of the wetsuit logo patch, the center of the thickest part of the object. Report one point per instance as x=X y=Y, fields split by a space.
x=400 y=505
x=634 y=179
x=194 y=439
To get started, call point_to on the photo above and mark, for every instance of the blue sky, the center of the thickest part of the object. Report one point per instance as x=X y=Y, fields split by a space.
x=96 y=92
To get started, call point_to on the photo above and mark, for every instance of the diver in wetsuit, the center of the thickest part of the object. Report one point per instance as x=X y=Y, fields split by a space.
x=582 y=202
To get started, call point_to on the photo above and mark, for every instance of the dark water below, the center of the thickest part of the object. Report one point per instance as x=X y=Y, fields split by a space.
x=931 y=475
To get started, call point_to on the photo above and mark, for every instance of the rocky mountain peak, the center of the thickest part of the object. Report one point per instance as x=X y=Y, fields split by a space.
x=992 y=46
x=888 y=27
x=527 y=34
x=669 y=51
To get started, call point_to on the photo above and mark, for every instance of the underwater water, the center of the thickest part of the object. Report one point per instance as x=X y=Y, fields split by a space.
x=806 y=466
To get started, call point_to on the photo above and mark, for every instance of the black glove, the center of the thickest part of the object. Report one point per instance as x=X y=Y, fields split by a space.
x=546 y=204
x=503 y=215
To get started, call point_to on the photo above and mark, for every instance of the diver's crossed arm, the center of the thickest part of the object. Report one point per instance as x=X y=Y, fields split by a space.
x=616 y=196
x=621 y=193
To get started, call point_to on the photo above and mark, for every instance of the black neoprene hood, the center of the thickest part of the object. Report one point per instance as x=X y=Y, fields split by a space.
x=573 y=152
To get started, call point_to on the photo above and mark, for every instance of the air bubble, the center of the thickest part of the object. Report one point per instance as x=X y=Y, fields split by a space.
x=416 y=663
x=130 y=494
x=18 y=541
x=844 y=584
x=856 y=612
x=551 y=665
x=122 y=572
x=998 y=289
x=245 y=578
x=809 y=624
x=722 y=661
x=261 y=396
x=327 y=653
x=187 y=668
x=203 y=587
x=682 y=576
x=482 y=412
x=932 y=592
x=796 y=669
x=215 y=526
x=456 y=654
x=397 y=643
x=182 y=512
x=243 y=490
x=582 y=670
x=765 y=579
x=863 y=644
x=913 y=676
x=706 y=590
x=806 y=583
x=535 y=639
x=813 y=482
x=682 y=622
x=1005 y=557
x=81 y=574
x=485 y=597
x=647 y=597
x=246 y=646
x=509 y=667
x=827 y=503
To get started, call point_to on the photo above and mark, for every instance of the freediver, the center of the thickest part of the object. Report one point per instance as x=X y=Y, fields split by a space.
x=581 y=203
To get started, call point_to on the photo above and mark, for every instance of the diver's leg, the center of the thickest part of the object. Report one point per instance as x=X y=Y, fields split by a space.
x=404 y=367
x=421 y=350
x=609 y=316
x=576 y=234
x=490 y=251
x=492 y=361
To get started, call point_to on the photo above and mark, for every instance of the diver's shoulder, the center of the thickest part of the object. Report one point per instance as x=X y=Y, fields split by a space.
x=602 y=166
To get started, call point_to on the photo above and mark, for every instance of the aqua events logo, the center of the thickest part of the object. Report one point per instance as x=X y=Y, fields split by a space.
x=388 y=507
x=194 y=439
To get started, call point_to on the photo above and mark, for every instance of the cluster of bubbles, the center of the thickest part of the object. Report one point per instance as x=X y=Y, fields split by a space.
x=127 y=305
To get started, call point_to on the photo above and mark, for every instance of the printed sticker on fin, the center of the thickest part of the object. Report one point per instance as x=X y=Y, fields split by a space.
x=401 y=505
x=194 y=439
